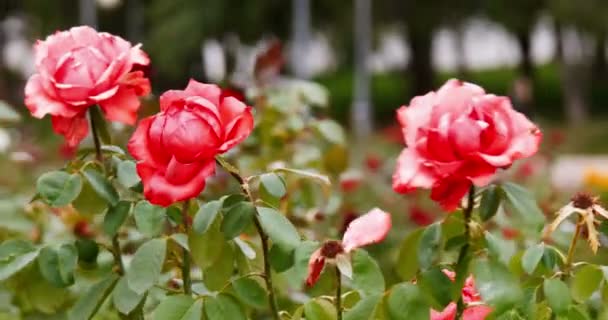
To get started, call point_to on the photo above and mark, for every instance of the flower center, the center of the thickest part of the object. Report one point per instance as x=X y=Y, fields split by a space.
x=583 y=200
x=331 y=249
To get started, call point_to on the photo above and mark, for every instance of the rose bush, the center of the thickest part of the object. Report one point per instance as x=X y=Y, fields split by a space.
x=176 y=148
x=132 y=235
x=459 y=136
x=79 y=68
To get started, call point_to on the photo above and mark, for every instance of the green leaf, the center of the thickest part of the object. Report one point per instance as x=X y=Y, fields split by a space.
x=367 y=276
x=489 y=202
x=279 y=229
x=323 y=179
x=115 y=217
x=586 y=281
x=88 y=250
x=223 y=307
x=407 y=262
x=217 y=274
x=576 y=313
x=406 y=302
x=149 y=219
x=88 y=201
x=532 y=257
x=237 y=218
x=430 y=242
x=101 y=185
x=14 y=256
x=181 y=239
x=301 y=257
x=279 y=259
x=101 y=125
x=437 y=287
x=59 y=188
x=206 y=248
x=523 y=204
x=365 y=309
x=179 y=307
x=331 y=131
x=250 y=292
x=273 y=184
x=125 y=300
x=146 y=265
x=497 y=286
x=57 y=266
x=205 y=216
x=319 y=309
x=89 y=303
x=127 y=174
x=557 y=295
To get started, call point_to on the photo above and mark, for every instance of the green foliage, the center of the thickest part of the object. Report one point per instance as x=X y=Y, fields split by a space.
x=146 y=266
x=59 y=188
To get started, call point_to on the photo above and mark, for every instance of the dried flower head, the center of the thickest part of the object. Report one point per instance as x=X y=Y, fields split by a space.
x=588 y=209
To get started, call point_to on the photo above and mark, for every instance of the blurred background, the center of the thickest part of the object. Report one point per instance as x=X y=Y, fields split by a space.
x=549 y=56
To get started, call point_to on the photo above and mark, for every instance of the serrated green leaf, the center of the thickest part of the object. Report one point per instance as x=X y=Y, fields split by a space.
x=146 y=265
x=280 y=260
x=490 y=201
x=250 y=292
x=280 y=230
x=223 y=307
x=406 y=302
x=437 y=287
x=14 y=256
x=115 y=217
x=532 y=257
x=127 y=174
x=89 y=303
x=273 y=184
x=585 y=281
x=557 y=295
x=125 y=300
x=219 y=272
x=323 y=179
x=365 y=309
x=367 y=276
x=57 y=266
x=428 y=247
x=237 y=218
x=206 y=248
x=59 y=188
x=497 y=286
x=407 y=262
x=319 y=309
x=149 y=219
x=523 y=204
x=101 y=185
x=179 y=307
x=331 y=131
x=205 y=216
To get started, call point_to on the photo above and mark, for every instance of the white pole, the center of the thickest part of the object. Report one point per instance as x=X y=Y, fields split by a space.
x=88 y=12
x=300 y=37
x=361 y=117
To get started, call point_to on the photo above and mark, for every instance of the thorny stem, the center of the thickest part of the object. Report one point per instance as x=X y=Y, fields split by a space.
x=264 y=239
x=467 y=244
x=96 y=141
x=570 y=256
x=117 y=255
x=338 y=294
x=186 y=259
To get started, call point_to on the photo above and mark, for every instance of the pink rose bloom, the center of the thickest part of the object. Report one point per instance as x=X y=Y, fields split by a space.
x=367 y=229
x=79 y=68
x=175 y=149
x=459 y=136
x=474 y=310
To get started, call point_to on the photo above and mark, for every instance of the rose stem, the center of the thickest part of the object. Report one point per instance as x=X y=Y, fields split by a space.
x=117 y=256
x=338 y=294
x=95 y=135
x=264 y=239
x=186 y=260
x=467 y=237
x=570 y=256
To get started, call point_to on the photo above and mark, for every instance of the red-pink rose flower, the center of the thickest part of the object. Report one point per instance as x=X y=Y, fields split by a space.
x=79 y=68
x=474 y=310
x=175 y=148
x=459 y=136
x=369 y=228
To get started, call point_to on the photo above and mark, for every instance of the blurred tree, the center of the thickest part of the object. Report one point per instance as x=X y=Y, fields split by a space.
x=519 y=17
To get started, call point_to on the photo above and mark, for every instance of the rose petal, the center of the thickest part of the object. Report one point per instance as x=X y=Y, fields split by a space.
x=369 y=228
x=160 y=191
x=449 y=191
x=121 y=107
x=210 y=92
x=74 y=129
x=142 y=149
x=410 y=174
x=138 y=56
x=449 y=313
x=238 y=130
x=476 y=312
x=40 y=103
x=315 y=267
x=188 y=137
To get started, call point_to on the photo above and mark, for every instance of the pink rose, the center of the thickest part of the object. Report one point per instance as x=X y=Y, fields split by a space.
x=175 y=148
x=474 y=310
x=79 y=68
x=459 y=136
